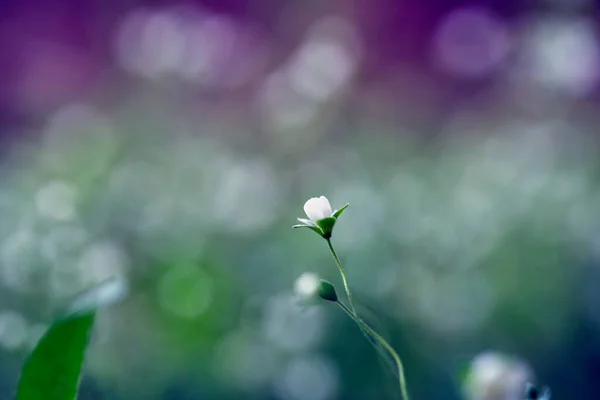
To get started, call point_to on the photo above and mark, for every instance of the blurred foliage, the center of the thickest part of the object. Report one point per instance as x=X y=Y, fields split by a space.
x=53 y=369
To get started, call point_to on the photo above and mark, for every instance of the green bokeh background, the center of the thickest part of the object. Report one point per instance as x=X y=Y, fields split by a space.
x=453 y=246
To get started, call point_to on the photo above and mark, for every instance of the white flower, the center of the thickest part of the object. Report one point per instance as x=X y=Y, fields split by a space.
x=494 y=375
x=318 y=208
x=321 y=217
x=307 y=285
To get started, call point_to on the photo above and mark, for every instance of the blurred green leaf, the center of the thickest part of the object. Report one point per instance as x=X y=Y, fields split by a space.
x=53 y=370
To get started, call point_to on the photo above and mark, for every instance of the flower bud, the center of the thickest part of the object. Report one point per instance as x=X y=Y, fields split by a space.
x=309 y=287
x=327 y=291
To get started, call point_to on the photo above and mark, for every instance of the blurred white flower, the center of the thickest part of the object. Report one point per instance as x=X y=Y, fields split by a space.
x=495 y=376
x=318 y=208
x=307 y=285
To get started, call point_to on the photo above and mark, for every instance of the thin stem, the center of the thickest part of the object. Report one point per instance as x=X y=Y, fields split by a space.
x=341 y=269
x=363 y=325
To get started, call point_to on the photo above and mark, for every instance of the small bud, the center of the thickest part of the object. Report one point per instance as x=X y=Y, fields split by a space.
x=327 y=291
x=308 y=287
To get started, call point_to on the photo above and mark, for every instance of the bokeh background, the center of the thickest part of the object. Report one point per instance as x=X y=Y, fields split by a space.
x=173 y=144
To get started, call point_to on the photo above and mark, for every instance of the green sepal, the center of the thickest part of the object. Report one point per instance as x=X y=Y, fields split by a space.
x=313 y=227
x=326 y=225
x=339 y=212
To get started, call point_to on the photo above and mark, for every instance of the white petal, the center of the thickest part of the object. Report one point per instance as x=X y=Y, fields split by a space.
x=314 y=209
x=326 y=207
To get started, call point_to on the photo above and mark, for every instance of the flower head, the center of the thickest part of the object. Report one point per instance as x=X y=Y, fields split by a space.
x=321 y=217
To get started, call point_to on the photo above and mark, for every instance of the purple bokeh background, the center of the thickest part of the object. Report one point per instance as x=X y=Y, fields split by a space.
x=57 y=51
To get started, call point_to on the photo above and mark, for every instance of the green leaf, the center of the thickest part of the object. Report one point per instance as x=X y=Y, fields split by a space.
x=53 y=370
x=339 y=212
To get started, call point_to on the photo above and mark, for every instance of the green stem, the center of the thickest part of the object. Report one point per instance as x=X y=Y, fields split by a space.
x=341 y=269
x=385 y=344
